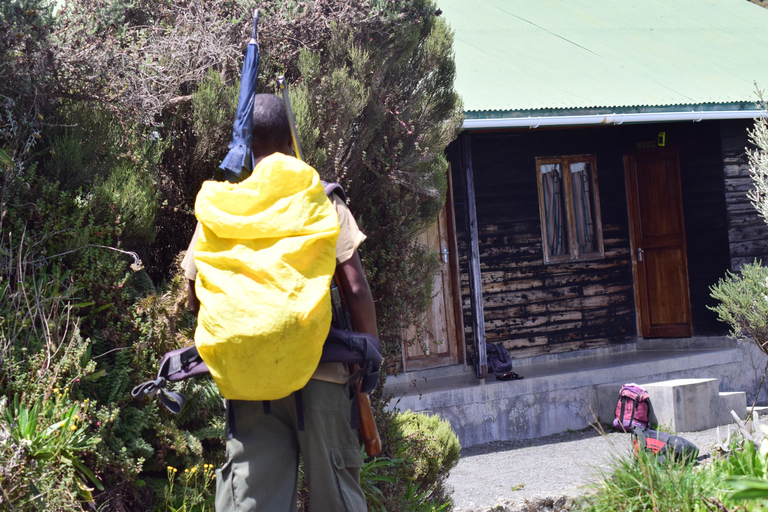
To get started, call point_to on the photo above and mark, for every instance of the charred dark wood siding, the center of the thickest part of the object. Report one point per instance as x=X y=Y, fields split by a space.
x=706 y=227
x=747 y=232
x=535 y=308
x=532 y=307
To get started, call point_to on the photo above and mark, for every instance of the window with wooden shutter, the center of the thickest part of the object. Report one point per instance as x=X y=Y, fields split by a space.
x=569 y=204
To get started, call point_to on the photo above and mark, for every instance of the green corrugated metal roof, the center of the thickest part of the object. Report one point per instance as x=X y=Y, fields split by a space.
x=515 y=56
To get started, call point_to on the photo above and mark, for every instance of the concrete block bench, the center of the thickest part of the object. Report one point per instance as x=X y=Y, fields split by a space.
x=681 y=405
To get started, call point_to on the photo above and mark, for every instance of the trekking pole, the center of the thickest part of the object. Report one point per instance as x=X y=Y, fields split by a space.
x=283 y=86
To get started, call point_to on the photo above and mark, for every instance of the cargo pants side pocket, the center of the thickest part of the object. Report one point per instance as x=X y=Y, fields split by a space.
x=346 y=464
x=225 y=492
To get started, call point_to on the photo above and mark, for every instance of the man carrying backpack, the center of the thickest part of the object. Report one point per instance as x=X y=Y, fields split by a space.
x=266 y=437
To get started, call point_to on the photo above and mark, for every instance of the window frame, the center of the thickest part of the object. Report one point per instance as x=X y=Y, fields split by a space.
x=573 y=253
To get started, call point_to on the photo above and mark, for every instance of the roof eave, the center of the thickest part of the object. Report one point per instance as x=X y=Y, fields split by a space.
x=620 y=115
x=478 y=120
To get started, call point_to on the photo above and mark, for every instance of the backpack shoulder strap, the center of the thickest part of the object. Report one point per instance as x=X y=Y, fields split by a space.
x=331 y=188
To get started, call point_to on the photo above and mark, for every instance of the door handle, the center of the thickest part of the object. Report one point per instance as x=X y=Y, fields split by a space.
x=639 y=254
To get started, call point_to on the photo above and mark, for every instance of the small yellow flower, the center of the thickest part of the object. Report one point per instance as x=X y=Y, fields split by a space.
x=194 y=469
x=175 y=470
x=170 y=468
x=186 y=471
x=76 y=417
x=73 y=427
x=55 y=390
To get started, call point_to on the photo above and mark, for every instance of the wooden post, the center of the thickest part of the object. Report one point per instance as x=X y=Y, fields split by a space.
x=475 y=283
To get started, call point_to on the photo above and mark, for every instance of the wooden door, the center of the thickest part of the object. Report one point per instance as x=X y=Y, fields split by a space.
x=657 y=238
x=439 y=338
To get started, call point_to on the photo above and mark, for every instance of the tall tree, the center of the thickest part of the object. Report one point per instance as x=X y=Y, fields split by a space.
x=374 y=100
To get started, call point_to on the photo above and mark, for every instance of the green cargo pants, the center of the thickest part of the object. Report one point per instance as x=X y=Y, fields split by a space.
x=261 y=471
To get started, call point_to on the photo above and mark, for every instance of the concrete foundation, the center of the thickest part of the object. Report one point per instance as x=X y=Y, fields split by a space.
x=679 y=405
x=560 y=391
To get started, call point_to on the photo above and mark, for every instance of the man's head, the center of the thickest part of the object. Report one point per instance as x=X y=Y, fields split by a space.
x=271 y=131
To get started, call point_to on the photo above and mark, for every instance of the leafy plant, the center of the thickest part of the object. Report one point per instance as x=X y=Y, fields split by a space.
x=379 y=471
x=415 y=501
x=747 y=470
x=51 y=431
x=638 y=482
x=743 y=304
x=193 y=490
x=376 y=470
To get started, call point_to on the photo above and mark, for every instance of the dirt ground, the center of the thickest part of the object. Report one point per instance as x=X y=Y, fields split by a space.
x=545 y=473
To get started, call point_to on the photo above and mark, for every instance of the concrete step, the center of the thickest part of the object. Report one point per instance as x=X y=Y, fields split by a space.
x=732 y=401
x=680 y=405
x=556 y=395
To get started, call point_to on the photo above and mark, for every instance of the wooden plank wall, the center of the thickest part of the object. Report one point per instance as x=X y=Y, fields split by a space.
x=535 y=309
x=706 y=226
x=748 y=233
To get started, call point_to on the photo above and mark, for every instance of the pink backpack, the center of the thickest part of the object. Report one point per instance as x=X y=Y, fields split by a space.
x=632 y=408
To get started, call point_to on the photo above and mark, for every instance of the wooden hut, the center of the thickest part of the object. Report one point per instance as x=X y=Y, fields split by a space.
x=599 y=184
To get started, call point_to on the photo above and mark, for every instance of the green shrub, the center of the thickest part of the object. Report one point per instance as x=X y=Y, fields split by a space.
x=214 y=105
x=743 y=305
x=127 y=198
x=429 y=447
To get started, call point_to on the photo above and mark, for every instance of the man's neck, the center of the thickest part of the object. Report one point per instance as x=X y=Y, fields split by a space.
x=258 y=157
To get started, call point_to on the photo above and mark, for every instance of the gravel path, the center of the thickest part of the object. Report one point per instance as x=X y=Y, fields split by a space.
x=545 y=472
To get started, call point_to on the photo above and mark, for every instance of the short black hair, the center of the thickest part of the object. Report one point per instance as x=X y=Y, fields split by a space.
x=271 y=130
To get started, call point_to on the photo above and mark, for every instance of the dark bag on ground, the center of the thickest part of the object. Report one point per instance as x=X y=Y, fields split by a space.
x=499 y=360
x=665 y=446
x=632 y=408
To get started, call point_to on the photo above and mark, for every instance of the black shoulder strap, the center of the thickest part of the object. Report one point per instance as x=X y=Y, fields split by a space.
x=331 y=188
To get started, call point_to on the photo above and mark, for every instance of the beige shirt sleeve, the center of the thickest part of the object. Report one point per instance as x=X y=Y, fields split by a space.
x=188 y=263
x=350 y=236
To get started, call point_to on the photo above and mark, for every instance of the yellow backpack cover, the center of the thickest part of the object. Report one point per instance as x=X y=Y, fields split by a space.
x=265 y=259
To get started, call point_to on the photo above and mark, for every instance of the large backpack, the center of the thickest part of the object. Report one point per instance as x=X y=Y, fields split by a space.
x=265 y=258
x=340 y=345
x=632 y=408
x=665 y=446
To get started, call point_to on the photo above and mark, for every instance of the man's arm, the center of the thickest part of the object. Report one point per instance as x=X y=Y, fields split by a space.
x=359 y=301
x=357 y=295
x=193 y=303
